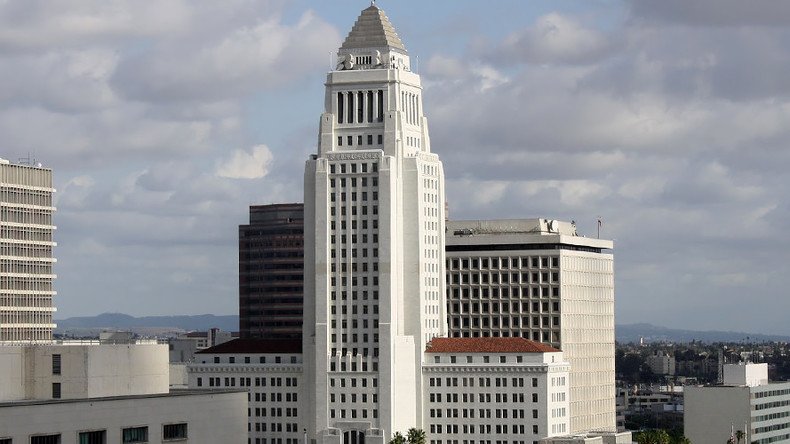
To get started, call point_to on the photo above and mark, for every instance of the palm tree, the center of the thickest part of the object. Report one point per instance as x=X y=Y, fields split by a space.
x=398 y=439
x=415 y=436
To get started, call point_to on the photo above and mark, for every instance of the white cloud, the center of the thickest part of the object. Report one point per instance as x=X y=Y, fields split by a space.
x=554 y=39
x=252 y=164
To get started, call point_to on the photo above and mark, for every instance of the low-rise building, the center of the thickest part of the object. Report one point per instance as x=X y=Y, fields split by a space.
x=745 y=402
x=271 y=371
x=93 y=392
x=504 y=389
x=476 y=389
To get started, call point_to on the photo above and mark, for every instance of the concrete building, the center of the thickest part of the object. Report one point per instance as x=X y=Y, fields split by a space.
x=272 y=372
x=26 y=258
x=512 y=389
x=538 y=279
x=374 y=241
x=744 y=402
x=271 y=266
x=503 y=389
x=184 y=346
x=88 y=392
x=661 y=364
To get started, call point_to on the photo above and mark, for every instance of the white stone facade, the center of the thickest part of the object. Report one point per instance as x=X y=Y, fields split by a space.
x=374 y=224
x=277 y=391
x=26 y=258
x=537 y=279
x=516 y=398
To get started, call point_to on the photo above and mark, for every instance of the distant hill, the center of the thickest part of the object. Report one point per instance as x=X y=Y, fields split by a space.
x=124 y=321
x=162 y=324
x=654 y=333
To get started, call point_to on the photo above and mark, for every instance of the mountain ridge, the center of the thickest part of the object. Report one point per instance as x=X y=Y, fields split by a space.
x=623 y=332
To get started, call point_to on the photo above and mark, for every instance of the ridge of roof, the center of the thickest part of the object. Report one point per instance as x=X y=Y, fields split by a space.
x=373 y=30
x=487 y=345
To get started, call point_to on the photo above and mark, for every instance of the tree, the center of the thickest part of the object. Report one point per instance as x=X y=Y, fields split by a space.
x=415 y=436
x=398 y=439
x=739 y=435
x=656 y=436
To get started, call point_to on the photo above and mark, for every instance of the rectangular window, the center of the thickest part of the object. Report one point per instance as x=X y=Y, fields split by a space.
x=56 y=364
x=45 y=439
x=94 y=437
x=55 y=390
x=134 y=434
x=174 y=432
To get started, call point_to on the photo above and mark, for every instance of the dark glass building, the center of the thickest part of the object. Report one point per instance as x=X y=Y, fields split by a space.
x=271 y=272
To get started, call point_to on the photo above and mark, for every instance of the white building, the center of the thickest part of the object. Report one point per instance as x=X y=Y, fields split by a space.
x=272 y=373
x=374 y=242
x=26 y=259
x=538 y=279
x=494 y=389
x=98 y=393
x=745 y=402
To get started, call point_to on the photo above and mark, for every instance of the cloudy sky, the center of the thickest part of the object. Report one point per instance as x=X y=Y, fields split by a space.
x=164 y=120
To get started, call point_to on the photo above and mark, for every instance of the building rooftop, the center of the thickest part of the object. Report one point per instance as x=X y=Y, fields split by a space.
x=487 y=345
x=170 y=394
x=373 y=30
x=255 y=346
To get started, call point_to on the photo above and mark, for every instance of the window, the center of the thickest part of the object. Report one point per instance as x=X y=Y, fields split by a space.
x=134 y=434
x=45 y=439
x=55 y=390
x=94 y=437
x=5 y=441
x=174 y=432
x=56 y=364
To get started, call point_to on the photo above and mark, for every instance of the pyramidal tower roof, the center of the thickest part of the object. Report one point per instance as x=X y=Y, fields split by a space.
x=373 y=30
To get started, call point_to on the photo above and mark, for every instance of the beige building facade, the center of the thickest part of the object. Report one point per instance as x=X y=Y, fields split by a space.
x=538 y=279
x=26 y=259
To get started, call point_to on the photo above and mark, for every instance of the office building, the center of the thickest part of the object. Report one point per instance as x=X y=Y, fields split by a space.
x=374 y=241
x=271 y=261
x=493 y=388
x=538 y=279
x=26 y=260
x=745 y=402
x=272 y=373
x=475 y=389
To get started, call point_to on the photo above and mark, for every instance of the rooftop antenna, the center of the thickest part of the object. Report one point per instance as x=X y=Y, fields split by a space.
x=600 y=223
x=416 y=64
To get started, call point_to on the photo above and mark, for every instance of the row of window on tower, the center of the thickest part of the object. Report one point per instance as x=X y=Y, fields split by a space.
x=343 y=168
x=360 y=140
x=360 y=106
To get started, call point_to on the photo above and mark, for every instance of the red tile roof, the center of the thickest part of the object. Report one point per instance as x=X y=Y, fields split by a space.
x=487 y=345
x=253 y=346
